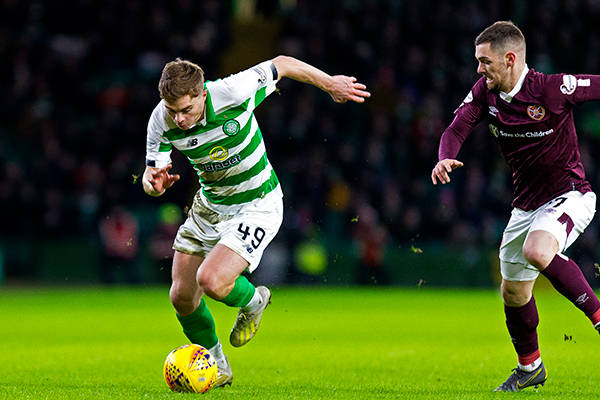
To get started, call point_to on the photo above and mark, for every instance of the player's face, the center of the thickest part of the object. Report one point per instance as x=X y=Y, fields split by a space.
x=493 y=66
x=187 y=110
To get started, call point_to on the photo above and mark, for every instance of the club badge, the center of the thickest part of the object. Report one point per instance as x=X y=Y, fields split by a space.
x=536 y=112
x=231 y=127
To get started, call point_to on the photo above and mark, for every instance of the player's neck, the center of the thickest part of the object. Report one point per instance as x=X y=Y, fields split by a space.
x=515 y=75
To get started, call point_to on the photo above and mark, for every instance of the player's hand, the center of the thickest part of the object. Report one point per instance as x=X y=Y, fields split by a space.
x=344 y=88
x=158 y=180
x=442 y=170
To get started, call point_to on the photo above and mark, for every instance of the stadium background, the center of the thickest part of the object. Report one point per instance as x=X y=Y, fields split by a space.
x=78 y=88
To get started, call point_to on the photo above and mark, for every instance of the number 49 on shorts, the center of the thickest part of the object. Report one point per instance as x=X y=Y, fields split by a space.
x=256 y=238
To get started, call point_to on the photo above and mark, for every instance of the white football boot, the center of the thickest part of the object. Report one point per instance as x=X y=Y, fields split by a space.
x=224 y=376
x=247 y=322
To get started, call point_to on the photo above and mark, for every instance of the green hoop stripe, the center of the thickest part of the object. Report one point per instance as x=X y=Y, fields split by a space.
x=218 y=120
x=227 y=142
x=242 y=177
x=212 y=122
x=252 y=146
x=247 y=196
x=209 y=109
x=164 y=147
x=176 y=133
x=260 y=96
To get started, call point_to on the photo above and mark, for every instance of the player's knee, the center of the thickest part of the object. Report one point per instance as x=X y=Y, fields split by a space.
x=209 y=283
x=180 y=298
x=537 y=256
x=514 y=296
x=176 y=297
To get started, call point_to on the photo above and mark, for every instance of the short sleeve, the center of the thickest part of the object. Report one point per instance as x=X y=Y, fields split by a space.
x=249 y=87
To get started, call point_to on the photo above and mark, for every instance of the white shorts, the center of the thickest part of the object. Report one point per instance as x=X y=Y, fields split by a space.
x=565 y=217
x=248 y=232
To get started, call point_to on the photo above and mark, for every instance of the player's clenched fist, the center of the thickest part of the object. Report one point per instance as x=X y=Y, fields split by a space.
x=442 y=170
x=157 y=180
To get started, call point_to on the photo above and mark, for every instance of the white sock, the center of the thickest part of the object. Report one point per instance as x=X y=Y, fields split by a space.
x=217 y=352
x=254 y=302
x=532 y=366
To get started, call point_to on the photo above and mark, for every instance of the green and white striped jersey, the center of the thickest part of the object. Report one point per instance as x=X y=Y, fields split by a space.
x=226 y=147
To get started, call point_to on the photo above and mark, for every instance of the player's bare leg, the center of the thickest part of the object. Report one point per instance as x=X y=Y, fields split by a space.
x=219 y=272
x=185 y=293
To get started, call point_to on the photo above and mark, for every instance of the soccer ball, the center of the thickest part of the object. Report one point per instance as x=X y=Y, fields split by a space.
x=190 y=368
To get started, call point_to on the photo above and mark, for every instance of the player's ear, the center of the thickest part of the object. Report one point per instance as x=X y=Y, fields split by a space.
x=510 y=58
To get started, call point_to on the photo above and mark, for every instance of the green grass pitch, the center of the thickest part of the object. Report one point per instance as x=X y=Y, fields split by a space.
x=314 y=343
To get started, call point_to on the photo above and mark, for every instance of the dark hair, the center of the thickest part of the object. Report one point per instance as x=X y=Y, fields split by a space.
x=180 y=77
x=501 y=35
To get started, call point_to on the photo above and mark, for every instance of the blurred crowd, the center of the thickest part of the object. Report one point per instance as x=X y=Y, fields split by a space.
x=78 y=88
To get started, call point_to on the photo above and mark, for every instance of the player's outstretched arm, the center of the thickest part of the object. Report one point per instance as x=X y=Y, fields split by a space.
x=157 y=180
x=442 y=170
x=341 y=88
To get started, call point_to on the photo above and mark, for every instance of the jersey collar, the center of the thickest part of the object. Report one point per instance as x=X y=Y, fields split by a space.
x=203 y=120
x=209 y=111
x=509 y=96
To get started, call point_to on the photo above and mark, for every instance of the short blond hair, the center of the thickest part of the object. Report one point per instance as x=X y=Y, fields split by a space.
x=180 y=77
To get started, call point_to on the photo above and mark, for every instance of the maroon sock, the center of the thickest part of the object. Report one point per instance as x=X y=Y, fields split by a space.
x=522 y=323
x=567 y=278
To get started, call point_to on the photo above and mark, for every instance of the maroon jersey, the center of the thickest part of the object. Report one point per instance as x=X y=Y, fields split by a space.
x=533 y=125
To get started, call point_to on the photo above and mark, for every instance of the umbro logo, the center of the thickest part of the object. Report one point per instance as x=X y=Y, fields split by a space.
x=493 y=111
x=582 y=299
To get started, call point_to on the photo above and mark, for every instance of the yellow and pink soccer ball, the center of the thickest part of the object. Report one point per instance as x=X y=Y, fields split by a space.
x=190 y=368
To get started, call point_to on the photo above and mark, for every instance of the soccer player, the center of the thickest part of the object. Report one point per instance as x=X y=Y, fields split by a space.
x=238 y=209
x=530 y=114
